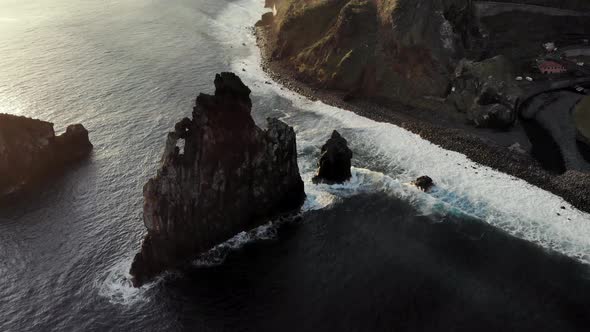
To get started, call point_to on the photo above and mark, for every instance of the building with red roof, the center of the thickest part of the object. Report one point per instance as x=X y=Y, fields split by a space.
x=551 y=67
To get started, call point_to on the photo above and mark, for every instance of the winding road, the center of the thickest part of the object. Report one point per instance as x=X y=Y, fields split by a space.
x=572 y=52
x=493 y=8
x=544 y=87
x=552 y=113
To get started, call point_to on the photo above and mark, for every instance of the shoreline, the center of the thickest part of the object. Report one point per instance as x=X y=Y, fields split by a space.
x=482 y=147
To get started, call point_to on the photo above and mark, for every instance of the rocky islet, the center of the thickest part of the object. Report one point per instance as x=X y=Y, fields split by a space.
x=230 y=176
x=30 y=152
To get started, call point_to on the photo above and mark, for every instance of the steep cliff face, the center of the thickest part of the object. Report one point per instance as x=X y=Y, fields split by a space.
x=30 y=151
x=410 y=50
x=392 y=48
x=229 y=177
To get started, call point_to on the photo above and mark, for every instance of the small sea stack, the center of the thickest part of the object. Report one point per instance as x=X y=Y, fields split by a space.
x=31 y=153
x=231 y=176
x=335 y=161
x=424 y=183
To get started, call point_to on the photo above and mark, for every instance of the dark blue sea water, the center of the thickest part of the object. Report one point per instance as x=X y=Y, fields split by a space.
x=484 y=251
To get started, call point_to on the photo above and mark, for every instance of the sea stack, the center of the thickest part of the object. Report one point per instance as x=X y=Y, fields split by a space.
x=230 y=176
x=31 y=153
x=335 y=161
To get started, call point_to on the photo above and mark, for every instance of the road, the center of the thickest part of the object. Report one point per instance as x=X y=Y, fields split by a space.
x=572 y=52
x=539 y=88
x=554 y=114
x=493 y=8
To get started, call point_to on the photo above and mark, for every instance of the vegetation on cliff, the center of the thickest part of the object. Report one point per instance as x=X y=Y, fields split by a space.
x=473 y=61
x=396 y=49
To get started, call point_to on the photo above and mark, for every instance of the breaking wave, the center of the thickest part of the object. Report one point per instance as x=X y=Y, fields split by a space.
x=463 y=186
x=118 y=289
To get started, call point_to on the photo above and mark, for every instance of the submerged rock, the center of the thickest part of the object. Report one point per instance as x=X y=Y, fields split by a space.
x=30 y=152
x=424 y=183
x=335 y=161
x=230 y=176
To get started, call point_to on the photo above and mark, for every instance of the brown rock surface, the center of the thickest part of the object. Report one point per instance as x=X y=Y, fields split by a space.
x=230 y=177
x=389 y=48
x=30 y=152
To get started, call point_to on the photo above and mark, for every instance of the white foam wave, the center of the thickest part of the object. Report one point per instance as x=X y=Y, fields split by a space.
x=117 y=286
x=362 y=181
x=219 y=253
x=497 y=198
x=8 y=20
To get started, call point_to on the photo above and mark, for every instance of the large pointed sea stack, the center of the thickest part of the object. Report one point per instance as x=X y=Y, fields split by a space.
x=232 y=176
x=335 y=161
x=31 y=153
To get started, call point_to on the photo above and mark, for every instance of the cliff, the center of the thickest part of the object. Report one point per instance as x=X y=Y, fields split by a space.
x=228 y=177
x=30 y=152
x=451 y=62
x=389 y=48
x=415 y=51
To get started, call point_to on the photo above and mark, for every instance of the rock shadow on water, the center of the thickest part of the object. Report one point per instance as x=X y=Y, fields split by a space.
x=401 y=271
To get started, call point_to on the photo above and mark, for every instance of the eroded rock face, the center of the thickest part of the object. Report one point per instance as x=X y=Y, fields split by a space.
x=335 y=161
x=231 y=176
x=30 y=152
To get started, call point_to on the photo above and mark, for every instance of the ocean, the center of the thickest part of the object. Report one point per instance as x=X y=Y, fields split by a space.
x=483 y=251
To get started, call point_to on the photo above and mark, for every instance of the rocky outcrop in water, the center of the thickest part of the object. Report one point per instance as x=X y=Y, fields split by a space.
x=424 y=183
x=30 y=152
x=335 y=161
x=229 y=176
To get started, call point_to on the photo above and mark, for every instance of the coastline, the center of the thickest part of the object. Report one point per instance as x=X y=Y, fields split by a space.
x=481 y=147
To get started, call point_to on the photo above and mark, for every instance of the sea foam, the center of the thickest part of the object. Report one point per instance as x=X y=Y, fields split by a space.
x=499 y=199
x=117 y=286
